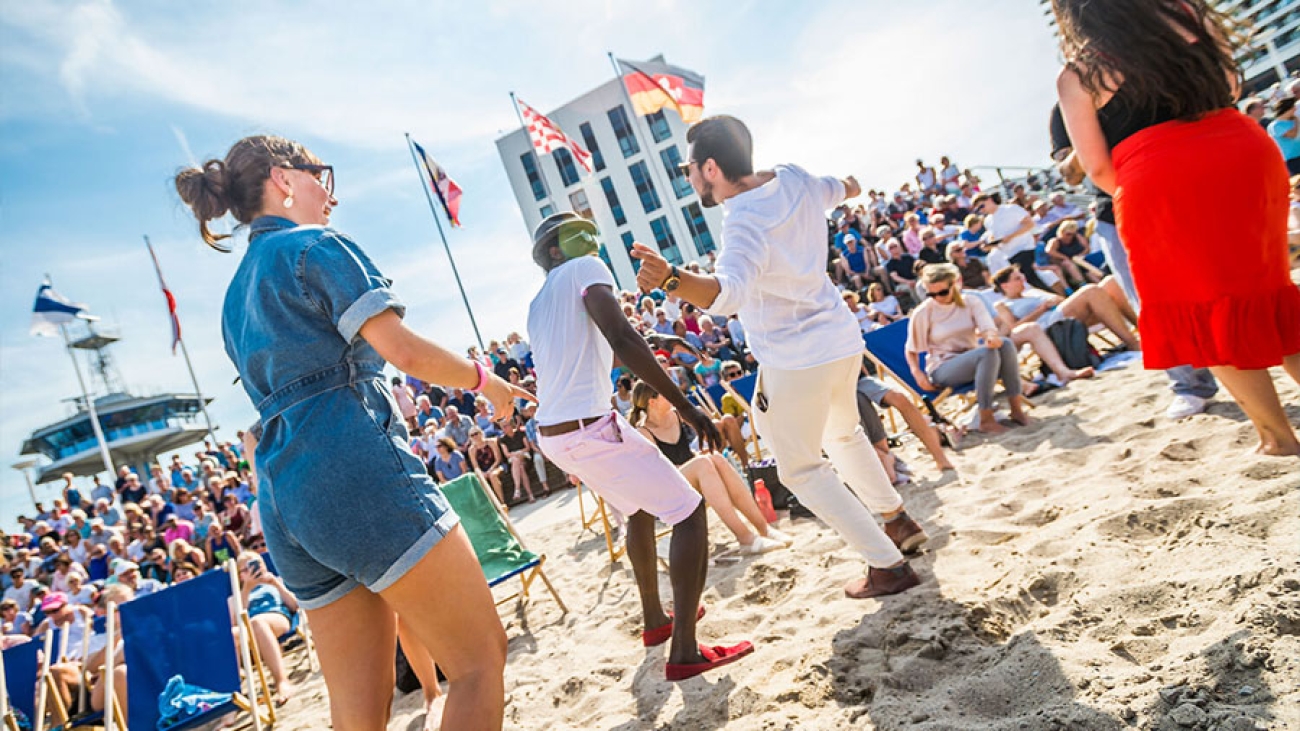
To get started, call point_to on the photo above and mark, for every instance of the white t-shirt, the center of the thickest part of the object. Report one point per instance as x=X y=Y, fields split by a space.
x=1030 y=300
x=23 y=596
x=772 y=272
x=1006 y=219
x=572 y=357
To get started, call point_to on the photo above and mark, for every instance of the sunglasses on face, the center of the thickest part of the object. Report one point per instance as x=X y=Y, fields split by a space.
x=324 y=174
x=939 y=292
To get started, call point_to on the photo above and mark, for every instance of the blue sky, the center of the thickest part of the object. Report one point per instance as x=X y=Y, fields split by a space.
x=101 y=103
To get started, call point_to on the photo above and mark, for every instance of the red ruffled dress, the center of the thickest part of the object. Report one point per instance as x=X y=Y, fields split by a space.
x=1202 y=209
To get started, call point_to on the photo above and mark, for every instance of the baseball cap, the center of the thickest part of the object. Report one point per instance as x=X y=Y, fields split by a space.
x=54 y=601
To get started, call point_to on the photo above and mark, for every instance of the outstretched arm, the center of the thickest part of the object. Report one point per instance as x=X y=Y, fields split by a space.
x=603 y=308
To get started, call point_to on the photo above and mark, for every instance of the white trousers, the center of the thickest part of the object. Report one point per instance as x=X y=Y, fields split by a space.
x=816 y=409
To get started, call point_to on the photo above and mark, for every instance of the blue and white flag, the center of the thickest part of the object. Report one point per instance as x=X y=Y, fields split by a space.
x=53 y=309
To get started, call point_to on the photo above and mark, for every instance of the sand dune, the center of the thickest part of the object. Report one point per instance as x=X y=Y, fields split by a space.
x=1102 y=568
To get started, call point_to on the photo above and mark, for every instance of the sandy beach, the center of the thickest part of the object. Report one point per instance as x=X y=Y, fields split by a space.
x=1102 y=568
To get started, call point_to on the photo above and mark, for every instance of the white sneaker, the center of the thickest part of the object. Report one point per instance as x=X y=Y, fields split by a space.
x=1185 y=405
x=779 y=537
x=761 y=544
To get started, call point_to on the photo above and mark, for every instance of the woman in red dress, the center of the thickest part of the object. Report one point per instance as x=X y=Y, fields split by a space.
x=1200 y=192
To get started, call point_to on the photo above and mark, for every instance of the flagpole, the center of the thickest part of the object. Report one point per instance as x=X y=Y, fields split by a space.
x=541 y=172
x=653 y=161
x=90 y=403
x=434 y=210
x=203 y=406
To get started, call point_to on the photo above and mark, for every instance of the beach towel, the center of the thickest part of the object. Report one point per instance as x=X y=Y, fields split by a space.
x=180 y=701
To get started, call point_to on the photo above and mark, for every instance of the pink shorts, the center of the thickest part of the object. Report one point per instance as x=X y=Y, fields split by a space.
x=624 y=468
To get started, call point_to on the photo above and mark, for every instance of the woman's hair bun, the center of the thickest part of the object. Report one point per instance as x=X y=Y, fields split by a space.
x=204 y=191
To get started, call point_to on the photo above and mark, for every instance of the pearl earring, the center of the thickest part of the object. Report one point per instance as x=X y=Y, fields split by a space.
x=288 y=201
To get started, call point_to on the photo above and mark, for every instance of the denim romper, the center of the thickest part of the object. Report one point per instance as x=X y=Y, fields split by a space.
x=344 y=503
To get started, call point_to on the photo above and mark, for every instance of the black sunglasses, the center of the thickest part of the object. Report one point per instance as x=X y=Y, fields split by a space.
x=323 y=173
x=685 y=167
x=940 y=293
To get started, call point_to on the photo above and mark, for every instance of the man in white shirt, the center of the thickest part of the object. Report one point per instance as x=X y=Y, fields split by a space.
x=576 y=326
x=772 y=272
x=1010 y=228
x=1059 y=211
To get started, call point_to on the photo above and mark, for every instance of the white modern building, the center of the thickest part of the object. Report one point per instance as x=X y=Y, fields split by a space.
x=634 y=192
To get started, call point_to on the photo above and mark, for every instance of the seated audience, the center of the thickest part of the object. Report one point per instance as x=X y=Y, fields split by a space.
x=963 y=345
x=1089 y=305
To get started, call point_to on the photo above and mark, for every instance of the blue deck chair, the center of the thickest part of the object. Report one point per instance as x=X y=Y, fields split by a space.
x=22 y=673
x=499 y=548
x=887 y=346
x=186 y=630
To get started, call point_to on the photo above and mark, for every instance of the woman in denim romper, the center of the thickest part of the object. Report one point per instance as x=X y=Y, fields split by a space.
x=356 y=527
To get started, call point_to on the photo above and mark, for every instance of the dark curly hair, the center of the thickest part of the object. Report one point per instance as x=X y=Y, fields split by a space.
x=1138 y=43
x=235 y=185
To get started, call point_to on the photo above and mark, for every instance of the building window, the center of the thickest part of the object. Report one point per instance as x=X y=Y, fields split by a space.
x=568 y=171
x=589 y=139
x=534 y=178
x=547 y=210
x=604 y=256
x=623 y=131
x=628 y=240
x=645 y=187
x=659 y=126
x=611 y=197
x=699 y=228
x=672 y=158
x=578 y=200
x=665 y=240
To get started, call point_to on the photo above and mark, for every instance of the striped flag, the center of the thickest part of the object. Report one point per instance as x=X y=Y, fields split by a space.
x=167 y=294
x=653 y=85
x=52 y=310
x=547 y=137
x=443 y=186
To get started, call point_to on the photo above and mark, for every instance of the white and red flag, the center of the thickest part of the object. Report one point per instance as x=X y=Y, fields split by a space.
x=547 y=137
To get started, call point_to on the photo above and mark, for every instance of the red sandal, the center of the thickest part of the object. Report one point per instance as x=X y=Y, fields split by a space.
x=714 y=657
x=659 y=635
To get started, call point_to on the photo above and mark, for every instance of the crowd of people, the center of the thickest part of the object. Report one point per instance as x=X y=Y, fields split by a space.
x=99 y=544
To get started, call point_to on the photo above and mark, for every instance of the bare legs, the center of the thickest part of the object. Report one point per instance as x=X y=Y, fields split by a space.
x=421 y=663
x=356 y=640
x=267 y=629
x=725 y=492
x=731 y=434
x=519 y=471
x=1115 y=291
x=1091 y=305
x=1036 y=336
x=921 y=427
x=1255 y=394
x=687 y=566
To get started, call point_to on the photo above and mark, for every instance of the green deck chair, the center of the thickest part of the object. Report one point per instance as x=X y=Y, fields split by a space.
x=500 y=550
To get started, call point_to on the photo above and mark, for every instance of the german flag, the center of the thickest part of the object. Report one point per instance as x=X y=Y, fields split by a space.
x=653 y=85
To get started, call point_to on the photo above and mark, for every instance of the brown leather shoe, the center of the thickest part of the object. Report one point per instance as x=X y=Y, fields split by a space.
x=882 y=582
x=906 y=533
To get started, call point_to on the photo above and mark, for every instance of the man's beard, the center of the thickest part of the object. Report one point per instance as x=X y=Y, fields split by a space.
x=706 y=195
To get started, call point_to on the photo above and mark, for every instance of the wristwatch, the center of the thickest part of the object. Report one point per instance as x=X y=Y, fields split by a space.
x=672 y=282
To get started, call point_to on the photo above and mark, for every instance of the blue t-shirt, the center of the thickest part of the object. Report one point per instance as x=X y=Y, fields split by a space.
x=450 y=468
x=1290 y=146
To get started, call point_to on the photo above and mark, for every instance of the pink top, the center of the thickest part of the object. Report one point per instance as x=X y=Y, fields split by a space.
x=912 y=241
x=946 y=330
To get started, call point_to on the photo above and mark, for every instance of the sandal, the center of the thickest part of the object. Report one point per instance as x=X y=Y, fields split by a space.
x=659 y=635
x=714 y=657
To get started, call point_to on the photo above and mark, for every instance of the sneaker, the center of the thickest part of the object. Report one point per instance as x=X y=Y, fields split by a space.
x=882 y=582
x=906 y=533
x=1185 y=405
x=761 y=544
x=779 y=537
